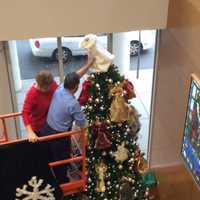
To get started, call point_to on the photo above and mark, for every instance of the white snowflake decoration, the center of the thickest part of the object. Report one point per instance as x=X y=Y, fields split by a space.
x=36 y=193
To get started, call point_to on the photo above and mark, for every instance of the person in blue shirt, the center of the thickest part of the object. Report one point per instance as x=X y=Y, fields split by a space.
x=63 y=111
x=64 y=108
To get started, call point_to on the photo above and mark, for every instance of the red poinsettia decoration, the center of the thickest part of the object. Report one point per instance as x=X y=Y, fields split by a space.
x=84 y=95
x=129 y=89
x=102 y=141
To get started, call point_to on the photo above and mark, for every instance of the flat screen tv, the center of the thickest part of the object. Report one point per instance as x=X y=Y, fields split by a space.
x=190 y=150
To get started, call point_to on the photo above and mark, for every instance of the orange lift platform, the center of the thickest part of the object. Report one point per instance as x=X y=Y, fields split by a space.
x=67 y=188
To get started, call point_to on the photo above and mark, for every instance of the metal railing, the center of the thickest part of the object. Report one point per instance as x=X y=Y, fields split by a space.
x=68 y=187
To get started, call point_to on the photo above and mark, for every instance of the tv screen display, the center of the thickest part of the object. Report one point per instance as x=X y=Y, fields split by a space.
x=191 y=138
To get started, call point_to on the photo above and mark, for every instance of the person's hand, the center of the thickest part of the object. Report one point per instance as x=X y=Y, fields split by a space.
x=32 y=137
x=90 y=61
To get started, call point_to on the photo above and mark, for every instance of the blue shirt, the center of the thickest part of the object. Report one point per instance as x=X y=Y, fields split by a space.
x=63 y=110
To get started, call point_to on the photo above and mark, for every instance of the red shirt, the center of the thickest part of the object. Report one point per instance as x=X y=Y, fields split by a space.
x=36 y=106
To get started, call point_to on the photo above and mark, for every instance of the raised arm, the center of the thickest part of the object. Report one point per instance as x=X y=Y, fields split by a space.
x=84 y=68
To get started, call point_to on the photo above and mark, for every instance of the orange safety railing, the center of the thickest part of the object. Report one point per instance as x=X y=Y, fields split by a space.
x=4 y=134
x=67 y=188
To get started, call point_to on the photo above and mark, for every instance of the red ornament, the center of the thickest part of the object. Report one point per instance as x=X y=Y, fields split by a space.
x=102 y=141
x=84 y=96
x=129 y=88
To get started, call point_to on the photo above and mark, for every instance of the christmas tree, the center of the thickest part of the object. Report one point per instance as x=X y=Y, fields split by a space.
x=114 y=160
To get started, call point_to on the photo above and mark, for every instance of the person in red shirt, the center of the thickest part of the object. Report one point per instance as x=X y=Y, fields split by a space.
x=37 y=102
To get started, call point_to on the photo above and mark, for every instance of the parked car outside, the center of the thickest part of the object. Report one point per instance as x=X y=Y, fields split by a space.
x=47 y=47
x=138 y=44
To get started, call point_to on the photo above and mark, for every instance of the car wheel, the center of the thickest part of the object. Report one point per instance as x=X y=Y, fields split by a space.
x=66 y=55
x=135 y=47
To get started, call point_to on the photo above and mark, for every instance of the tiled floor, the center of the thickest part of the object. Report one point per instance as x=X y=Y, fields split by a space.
x=143 y=87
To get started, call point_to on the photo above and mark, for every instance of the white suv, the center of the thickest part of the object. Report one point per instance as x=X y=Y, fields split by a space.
x=47 y=47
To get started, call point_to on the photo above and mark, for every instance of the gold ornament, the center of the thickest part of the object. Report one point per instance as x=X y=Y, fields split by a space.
x=119 y=108
x=120 y=111
x=128 y=179
x=101 y=169
x=108 y=121
x=121 y=154
x=140 y=162
x=133 y=119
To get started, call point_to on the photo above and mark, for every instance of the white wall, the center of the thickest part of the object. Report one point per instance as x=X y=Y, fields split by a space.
x=178 y=58
x=5 y=94
x=42 y=18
